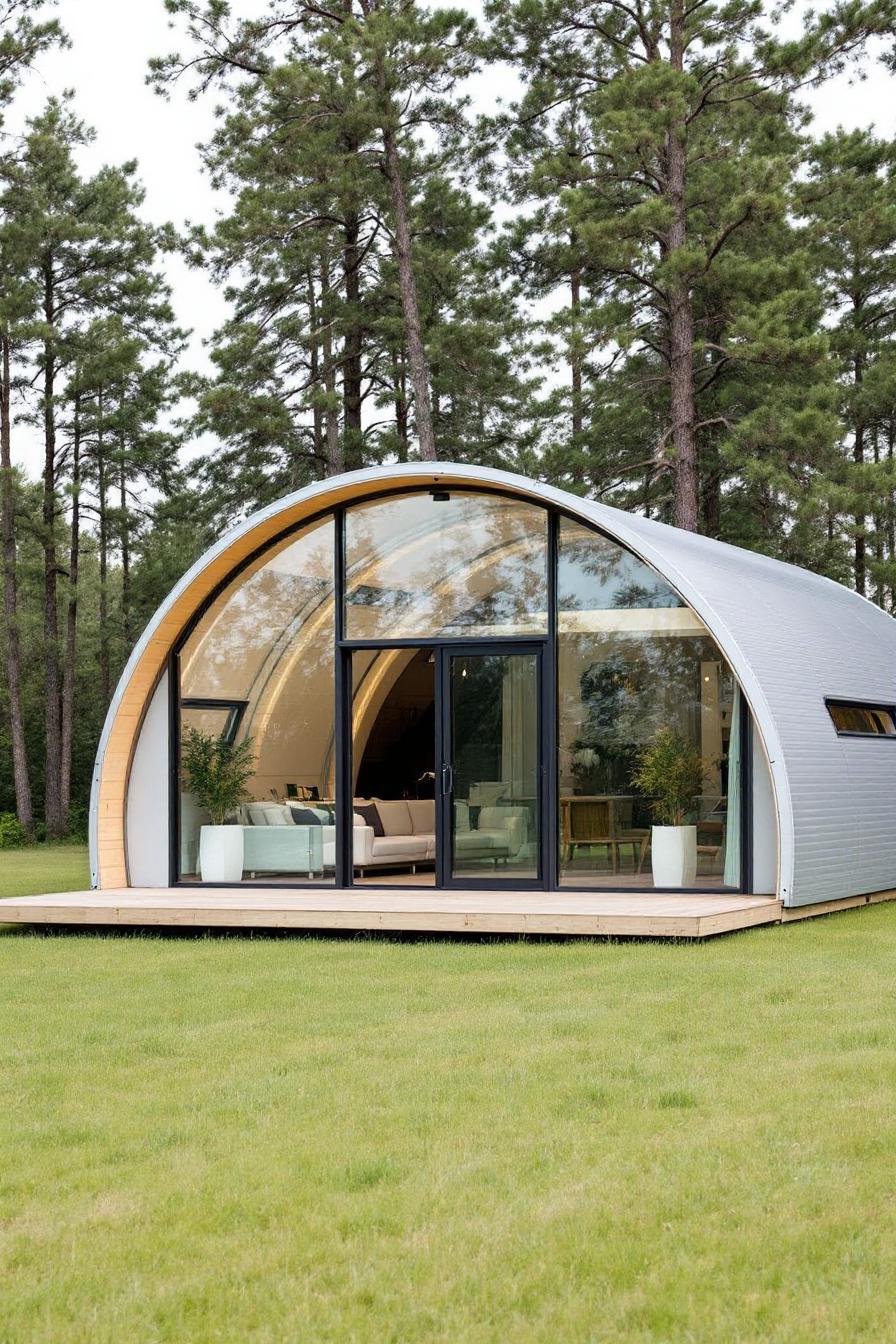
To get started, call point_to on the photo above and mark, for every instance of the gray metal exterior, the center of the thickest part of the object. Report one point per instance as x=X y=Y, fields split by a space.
x=791 y=638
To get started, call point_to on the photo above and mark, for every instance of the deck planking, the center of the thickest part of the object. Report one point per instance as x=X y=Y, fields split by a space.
x=419 y=910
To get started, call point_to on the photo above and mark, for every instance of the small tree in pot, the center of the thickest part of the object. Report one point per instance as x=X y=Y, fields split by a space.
x=216 y=772
x=670 y=773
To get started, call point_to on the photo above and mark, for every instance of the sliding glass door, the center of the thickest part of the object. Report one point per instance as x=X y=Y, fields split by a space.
x=490 y=775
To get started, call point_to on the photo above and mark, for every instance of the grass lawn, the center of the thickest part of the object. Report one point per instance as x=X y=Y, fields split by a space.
x=40 y=868
x=313 y=1139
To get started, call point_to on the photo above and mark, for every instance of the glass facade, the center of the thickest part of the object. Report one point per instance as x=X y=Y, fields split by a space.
x=430 y=564
x=267 y=646
x=454 y=574
x=633 y=662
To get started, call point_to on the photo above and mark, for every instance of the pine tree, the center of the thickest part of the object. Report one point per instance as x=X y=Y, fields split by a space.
x=850 y=203
x=86 y=253
x=25 y=33
x=299 y=252
x=372 y=78
x=682 y=114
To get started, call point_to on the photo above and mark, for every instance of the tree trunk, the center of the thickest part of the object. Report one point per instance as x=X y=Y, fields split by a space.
x=400 y=396
x=52 y=688
x=21 y=777
x=575 y=350
x=878 y=521
x=71 y=618
x=353 y=438
x=335 y=456
x=317 y=410
x=125 y=544
x=410 y=305
x=860 y=565
x=685 y=505
x=858 y=457
x=102 y=493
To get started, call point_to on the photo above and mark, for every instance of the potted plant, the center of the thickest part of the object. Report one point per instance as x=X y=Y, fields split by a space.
x=216 y=773
x=670 y=773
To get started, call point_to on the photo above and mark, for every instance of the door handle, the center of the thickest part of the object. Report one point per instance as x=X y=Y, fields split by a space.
x=447 y=781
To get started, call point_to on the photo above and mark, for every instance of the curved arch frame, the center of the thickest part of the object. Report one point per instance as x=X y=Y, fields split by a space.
x=237 y=548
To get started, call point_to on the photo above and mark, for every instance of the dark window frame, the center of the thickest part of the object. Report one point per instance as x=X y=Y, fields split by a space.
x=235 y=711
x=832 y=702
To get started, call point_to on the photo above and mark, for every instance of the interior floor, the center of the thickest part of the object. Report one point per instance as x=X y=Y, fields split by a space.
x=426 y=878
x=592 y=869
x=590 y=881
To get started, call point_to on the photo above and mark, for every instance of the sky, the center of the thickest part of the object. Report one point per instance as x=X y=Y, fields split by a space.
x=111 y=43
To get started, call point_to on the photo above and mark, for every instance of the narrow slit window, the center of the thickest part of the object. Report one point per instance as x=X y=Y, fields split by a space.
x=856 y=720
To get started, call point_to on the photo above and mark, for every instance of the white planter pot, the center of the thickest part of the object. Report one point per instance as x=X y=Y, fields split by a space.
x=221 y=853
x=673 y=855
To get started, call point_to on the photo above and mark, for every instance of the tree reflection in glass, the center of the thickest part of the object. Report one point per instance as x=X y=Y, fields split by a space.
x=632 y=659
x=268 y=640
x=466 y=565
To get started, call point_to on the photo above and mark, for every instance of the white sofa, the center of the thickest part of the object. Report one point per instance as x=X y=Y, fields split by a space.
x=274 y=842
x=410 y=834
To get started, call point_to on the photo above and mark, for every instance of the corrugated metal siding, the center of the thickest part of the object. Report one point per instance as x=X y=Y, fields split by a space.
x=791 y=637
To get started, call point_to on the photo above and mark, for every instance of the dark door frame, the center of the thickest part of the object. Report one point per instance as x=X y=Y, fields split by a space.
x=445 y=879
x=443 y=650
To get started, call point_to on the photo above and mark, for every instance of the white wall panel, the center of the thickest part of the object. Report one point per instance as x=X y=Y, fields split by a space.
x=765 y=824
x=148 y=802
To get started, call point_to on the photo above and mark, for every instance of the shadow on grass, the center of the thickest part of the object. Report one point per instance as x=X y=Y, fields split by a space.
x=172 y=933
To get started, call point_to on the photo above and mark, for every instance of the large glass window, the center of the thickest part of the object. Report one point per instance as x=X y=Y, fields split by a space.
x=639 y=679
x=259 y=665
x=637 y=670
x=443 y=563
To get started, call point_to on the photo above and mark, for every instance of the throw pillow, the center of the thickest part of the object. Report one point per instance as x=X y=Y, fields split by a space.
x=371 y=817
x=303 y=816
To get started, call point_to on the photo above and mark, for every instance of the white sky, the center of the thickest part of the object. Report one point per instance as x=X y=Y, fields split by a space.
x=112 y=40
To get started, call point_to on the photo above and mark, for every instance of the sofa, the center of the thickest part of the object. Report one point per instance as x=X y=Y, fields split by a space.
x=274 y=843
x=409 y=833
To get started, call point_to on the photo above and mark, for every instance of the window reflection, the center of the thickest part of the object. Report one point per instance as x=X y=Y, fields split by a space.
x=495 y=754
x=632 y=660
x=267 y=644
x=464 y=564
x=596 y=574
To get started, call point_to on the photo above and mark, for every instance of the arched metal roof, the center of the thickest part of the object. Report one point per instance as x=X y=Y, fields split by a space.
x=791 y=637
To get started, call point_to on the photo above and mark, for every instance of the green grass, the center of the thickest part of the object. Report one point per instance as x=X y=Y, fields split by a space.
x=40 y=868
x=262 y=1139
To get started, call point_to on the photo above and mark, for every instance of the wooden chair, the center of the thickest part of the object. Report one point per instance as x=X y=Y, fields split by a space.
x=598 y=821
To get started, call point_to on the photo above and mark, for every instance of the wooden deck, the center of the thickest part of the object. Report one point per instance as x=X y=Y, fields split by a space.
x=419 y=910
